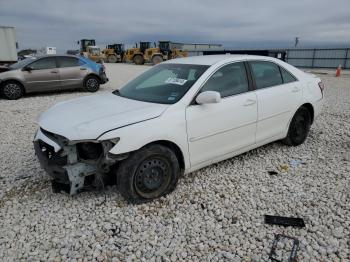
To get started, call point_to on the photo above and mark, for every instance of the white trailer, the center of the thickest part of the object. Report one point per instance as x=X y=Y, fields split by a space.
x=8 y=45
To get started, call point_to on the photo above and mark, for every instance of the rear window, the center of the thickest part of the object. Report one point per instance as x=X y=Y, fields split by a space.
x=266 y=74
x=287 y=77
x=68 y=61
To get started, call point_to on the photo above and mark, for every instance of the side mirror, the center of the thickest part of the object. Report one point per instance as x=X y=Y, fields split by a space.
x=208 y=97
x=27 y=68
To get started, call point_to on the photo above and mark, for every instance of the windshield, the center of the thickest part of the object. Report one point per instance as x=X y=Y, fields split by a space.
x=22 y=63
x=164 y=83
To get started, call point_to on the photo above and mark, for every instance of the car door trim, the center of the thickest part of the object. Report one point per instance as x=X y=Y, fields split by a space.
x=194 y=139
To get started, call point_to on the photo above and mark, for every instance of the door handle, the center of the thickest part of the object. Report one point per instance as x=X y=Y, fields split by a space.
x=295 y=89
x=82 y=68
x=54 y=71
x=249 y=102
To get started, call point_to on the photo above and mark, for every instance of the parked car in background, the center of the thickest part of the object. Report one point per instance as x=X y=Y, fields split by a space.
x=178 y=116
x=51 y=72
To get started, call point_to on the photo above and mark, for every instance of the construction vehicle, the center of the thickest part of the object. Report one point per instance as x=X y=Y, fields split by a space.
x=164 y=51
x=117 y=49
x=155 y=55
x=136 y=54
x=89 y=49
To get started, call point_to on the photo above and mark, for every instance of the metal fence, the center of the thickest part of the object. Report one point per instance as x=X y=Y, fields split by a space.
x=319 y=58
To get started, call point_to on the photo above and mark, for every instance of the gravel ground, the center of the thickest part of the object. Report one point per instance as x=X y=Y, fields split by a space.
x=215 y=214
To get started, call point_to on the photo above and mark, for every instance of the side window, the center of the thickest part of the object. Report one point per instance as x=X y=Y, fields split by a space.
x=68 y=61
x=266 y=74
x=228 y=80
x=287 y=77
x=44 y=63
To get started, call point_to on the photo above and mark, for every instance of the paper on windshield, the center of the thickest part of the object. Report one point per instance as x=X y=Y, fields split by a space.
x=176 y=81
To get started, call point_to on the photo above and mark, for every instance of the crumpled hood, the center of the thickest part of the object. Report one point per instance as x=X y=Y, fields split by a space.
x=90 y=116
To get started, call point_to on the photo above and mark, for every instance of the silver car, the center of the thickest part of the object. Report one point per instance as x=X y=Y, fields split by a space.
x=49 y=73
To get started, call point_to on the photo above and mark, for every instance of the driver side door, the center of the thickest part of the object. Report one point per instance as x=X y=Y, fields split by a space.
x=218 y=129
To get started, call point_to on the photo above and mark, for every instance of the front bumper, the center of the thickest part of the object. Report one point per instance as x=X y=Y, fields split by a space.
x=104 y=78
x=61 y=162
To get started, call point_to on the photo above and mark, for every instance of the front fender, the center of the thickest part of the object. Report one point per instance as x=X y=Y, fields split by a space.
x=135 y=136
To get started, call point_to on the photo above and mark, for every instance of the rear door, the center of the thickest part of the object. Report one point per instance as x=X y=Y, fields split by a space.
x=44 y=75
x=278 y=93
x=72 y=72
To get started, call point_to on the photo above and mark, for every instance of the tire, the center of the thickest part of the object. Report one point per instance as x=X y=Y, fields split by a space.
x=299 y=127
x=112 y=59
x=138 y=60
x=147 y=174
x=91 y=84
x=12 y=90
x=157 y=59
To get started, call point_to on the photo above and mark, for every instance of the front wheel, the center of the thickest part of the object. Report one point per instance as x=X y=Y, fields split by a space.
x=299 y=128
x=11 y=90
x=138 y=60
x=91 y=84
x=112 y=59
x=148 y=173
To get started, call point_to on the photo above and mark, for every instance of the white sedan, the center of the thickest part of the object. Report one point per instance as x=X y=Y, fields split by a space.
x=177 y=117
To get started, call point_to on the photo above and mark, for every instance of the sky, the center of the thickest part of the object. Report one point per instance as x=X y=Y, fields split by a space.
x=233 y=23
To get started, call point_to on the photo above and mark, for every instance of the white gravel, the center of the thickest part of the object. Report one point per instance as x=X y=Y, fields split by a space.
x=215 y=214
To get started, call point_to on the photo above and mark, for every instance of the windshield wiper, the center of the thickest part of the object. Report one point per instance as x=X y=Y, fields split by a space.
x=116 y=92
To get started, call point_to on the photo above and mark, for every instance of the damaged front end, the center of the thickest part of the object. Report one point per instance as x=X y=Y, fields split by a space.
x=71 y=162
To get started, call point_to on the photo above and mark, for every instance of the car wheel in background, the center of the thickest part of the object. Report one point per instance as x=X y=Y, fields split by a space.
x=91 y=84
x=299 y=127
x=12 y=90
x=148 y=173
x=157 y=59
x=112 y=59
x=138 y=60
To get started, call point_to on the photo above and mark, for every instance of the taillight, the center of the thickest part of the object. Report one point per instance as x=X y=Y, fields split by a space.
x=321 y=86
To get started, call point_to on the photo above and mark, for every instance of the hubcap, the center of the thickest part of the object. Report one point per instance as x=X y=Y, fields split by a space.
x=92 y=83
x=12 y=91
x=152 y=177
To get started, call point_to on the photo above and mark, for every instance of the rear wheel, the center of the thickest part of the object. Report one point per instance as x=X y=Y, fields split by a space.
x=112 y=59
x=299 y=127
x=138 y=60
x=149 y=173
x=92 y=84
x=12 y=90
x=157 y=59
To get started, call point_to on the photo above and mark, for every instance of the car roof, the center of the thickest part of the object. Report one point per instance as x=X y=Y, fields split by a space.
x=65 y=55
x=213 y=59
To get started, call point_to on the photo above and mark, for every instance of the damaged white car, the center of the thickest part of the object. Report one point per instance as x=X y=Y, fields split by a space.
x=177 y=117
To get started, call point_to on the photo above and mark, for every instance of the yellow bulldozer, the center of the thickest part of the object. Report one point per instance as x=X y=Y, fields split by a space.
x=164 y=51
x=89 y=49
x=135 y=54
x=155 y=55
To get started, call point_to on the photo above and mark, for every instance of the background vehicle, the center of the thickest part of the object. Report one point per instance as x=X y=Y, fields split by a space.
x=190 y=101
x=47 y=73
x=135 y=54
x=164 y=51
x=118 y=50
x=8 y=45
x=89 y=49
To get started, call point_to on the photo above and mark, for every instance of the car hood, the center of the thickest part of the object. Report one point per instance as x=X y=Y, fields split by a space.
x=90 y=116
